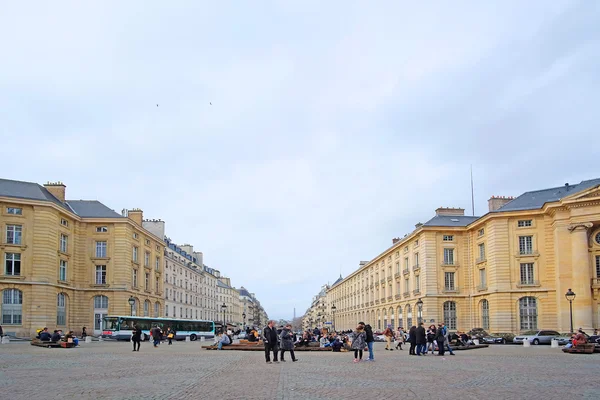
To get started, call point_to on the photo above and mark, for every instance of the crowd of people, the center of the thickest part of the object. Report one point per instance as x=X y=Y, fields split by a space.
x=57 y=336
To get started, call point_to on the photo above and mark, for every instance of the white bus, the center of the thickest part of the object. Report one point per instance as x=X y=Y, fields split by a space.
x=121 y=327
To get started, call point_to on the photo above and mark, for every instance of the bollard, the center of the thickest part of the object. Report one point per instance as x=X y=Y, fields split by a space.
x=88 y=339
x=202 y=338
x=476 y=342
x=100 y=339
x=187 y=338
x=526 y=343
x=554 y=344
x=5 y=340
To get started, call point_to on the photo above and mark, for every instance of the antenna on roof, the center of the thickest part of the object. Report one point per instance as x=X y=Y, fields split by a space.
x=472 y=192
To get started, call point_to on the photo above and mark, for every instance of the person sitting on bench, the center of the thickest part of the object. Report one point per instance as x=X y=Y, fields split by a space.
x=337 y=345
x=224 y=340
x=71 y=335
x=55 y=337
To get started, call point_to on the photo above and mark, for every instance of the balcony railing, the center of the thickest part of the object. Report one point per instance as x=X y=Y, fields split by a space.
x=398 y=296
x=372 y=303
x=382 y=300
x=389 y=298
x=450 y=290
x=417 y=291
x=595 y=282
x=482 y=288
x=406 y=294
x=376 y=301
x=397 y=275
x=480 y=260
x=405 y=271
x=382 y=280
x=389 y=278
x=416 y=267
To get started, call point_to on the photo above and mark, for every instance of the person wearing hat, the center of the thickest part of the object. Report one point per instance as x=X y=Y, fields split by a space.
x=389 y=338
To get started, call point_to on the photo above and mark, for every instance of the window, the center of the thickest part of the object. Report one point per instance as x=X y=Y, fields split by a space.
x=485 y=314
x=416 y=243
x=406 y=249
x=481 y=232
x=135 y=278
x=597 y=266
x=64 y=243
x=157 y=248
x=12 y=305
x=406 y=263
x=14 y=234
x=528 y=313
x=416 y=260
x=100 y=274
x=146 y=259
x=101 y=229
x=146 y=308
x=101 y=249
x=62 y=270
x=147 y=242
x=406 y=286
x=524 y=223
x=449 y=281
x=482 y=278
x=157 y=285
x=166 y=311
x=481 y=251
x=156 y=308
x=448 y=238
x=448 y=256
x=134 y=255
x=397 y=270
x=61 y=310
x=408 y=317
x=527 y=277
x=526 y=244
x=597 y=238
x=147 y=281
x=417 y=282
x=100 y=302
x=135 y=235
x=64 y=222
x=12 y=263
x=450 y=314
x=14 y=211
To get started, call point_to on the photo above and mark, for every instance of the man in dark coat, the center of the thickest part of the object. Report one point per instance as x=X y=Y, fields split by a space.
x=287 y=342
x=136 y=338
x=270 y=341
x=421 y=339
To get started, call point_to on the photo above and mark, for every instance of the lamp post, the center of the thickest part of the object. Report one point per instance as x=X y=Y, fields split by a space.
x=244 y=318
x=131 y=302
x=420 y=307
x=224 y=307
x=333 y=308
x=570 y=296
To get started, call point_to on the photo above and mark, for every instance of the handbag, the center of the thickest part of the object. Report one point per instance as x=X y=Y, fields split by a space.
x=170 y=336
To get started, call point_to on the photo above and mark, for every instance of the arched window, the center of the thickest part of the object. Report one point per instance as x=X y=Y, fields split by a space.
x=392 y=317
x=146 y=308
x=409 y=322
x=450 y=314
x=528 y=313
x=101 y=302
x=12 y=307
x=485 y=314
x=61 y=309
x=400 y=322
x=156 y=309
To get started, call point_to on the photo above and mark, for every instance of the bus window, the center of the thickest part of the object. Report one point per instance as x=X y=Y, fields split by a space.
x=111 y=324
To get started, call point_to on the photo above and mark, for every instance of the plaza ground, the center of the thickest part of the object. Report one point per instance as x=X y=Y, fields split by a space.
x=110 y=370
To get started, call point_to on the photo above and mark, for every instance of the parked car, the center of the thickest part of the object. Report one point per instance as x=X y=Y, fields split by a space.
x=379 y=338
x=493 y=340
x=536 y=337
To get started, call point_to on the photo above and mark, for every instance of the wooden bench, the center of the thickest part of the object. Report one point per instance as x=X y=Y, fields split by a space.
x=262 y=348
x=39 y=343
x=584 y=348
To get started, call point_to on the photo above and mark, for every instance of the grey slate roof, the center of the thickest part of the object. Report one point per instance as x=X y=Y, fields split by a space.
x=27 y=190
x=338 y=280
x=223 y=285
x=92 y=209
x=536 y=199
x=450 y=220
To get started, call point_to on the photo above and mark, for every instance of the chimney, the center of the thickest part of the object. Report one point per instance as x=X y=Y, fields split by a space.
x=454 y=212
x=56 y=189
x=136 y=215
x=395 y=240
x=496 y=202
x=362 y=263
x=154 y=226
x=418 y=225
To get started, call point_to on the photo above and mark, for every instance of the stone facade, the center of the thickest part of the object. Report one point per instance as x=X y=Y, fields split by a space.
x=66 y=264
x=507 y=271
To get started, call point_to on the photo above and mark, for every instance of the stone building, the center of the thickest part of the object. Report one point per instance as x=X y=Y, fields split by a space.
x=69 y=263
x=507 y=271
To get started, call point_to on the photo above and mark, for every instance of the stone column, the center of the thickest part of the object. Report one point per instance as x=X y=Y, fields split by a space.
x=582 y=276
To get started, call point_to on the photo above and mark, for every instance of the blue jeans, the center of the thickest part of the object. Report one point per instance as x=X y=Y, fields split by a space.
x=370 y=347
x=449 y=348
x=156 y=342
x=421 y=348
x=220 y=346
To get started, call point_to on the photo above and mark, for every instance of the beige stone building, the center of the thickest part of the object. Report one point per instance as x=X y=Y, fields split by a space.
x=507 y=271
x=69 y=263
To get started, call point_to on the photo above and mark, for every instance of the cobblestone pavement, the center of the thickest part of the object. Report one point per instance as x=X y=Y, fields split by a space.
x=107 y=370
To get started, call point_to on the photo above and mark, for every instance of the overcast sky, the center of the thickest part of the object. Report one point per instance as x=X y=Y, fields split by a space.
x=334 y=125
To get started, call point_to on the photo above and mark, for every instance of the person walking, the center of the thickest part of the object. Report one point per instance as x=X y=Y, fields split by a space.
x=370 y=339
x=400 y=338
x=447 y=338
x=83 y=333
x=440 y=339
x=389 y=338
x=270 y=341
x=156 y=335
x=412 y=339
x=170 y=335
x=287 y=343
x=136 y=338
x=421 y=339
x=358 y=343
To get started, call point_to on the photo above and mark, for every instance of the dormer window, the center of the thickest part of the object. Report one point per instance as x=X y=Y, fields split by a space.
x=448 y=238
x=101 y=229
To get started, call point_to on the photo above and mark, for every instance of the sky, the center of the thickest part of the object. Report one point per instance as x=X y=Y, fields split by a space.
x=334 y=126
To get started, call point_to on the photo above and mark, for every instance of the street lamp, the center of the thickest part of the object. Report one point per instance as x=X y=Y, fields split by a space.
x=224 y=307
x=333 y=308
x=244 y=318
x=420 y=306
x=131 y=302
x=570 y=296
